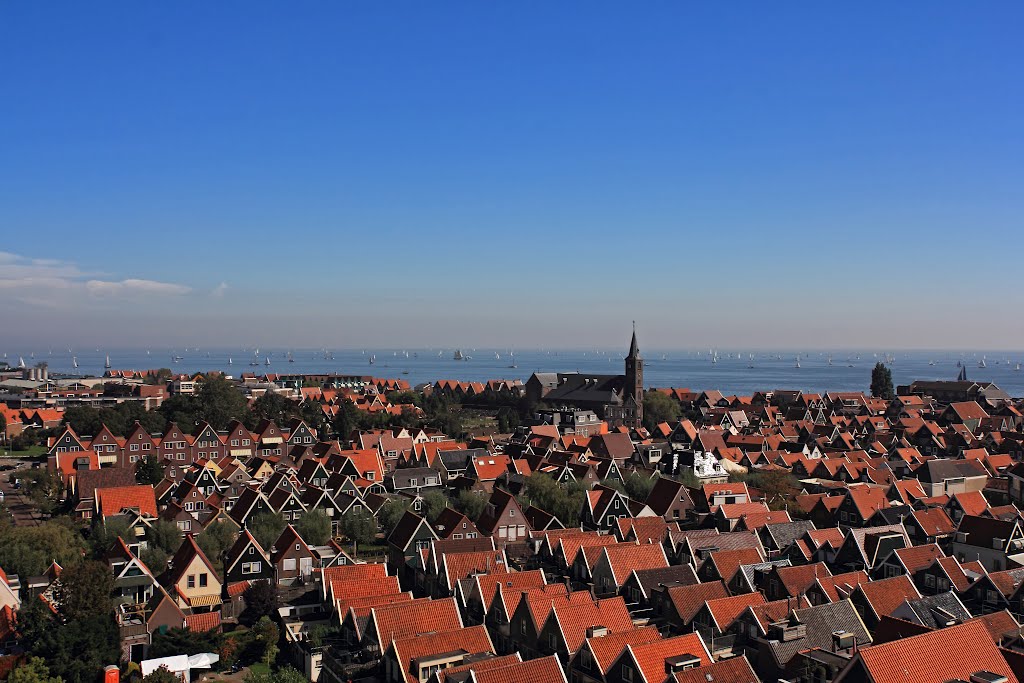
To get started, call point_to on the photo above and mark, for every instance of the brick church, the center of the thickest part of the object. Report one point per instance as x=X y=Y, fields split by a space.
x=617 y=399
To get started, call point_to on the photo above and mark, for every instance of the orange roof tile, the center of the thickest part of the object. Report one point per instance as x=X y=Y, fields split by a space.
x=950 y=653
x=650 y=657
x=725 y=610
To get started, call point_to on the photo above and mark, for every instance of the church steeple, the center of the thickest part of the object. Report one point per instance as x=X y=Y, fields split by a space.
x=633 y=391
x=634 y=350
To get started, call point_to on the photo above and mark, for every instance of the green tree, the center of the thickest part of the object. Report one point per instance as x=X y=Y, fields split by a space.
x=28 y=551
x=41 y=487
x=183 y=410
x=881 y=382
x=85 y=420
x=359 y=526
x=74 y=650
x=347 y=420
x=149 y=470
x=314 y=527
x=471 y=504
x=434 y=503
x=283 y=675
x=220 y=402
x=266 y=632
x=266 y=527
x=391 y=513
x=659 y=408
x=271 y=406
x=260 y=601
x=215 y=540
x=182 y=641
x=33 y=670
x=105 y=532
x=637 y=486
x=564 y=502
x=84 y=590
x=161 y=675
x=164 y=534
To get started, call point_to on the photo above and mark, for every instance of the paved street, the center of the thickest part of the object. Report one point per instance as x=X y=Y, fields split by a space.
x=18 y=506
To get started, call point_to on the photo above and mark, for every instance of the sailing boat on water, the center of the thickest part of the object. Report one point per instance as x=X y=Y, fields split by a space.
x=74 y=362
x=981 y=363
x=291 y=358
x=1016 y=368
x=373 y=359
x=21 y=362
x=107 y=363
x=266 y=360
x=458 y=355
x=797 y=362
x=230 y=362
x=512 y=357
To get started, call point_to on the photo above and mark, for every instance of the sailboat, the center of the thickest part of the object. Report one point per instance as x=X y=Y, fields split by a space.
x=1016 y=367
x=266 y=360
x=74 y=362
x=21 y=362
x=291 y=359
x=512 y=357
x=107 y=363
x=373 y=359
x=931 y=362
x=797 y=362
x=981 y=363
x=458 y=355
x=230 y=362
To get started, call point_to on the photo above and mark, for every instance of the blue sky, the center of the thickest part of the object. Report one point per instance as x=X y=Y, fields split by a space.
x=528 y=174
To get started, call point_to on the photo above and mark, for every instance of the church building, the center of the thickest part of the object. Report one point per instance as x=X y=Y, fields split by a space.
x=617 y=399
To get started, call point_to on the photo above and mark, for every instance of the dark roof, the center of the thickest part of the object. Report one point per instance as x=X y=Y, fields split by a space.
x=406 y=529
x=940 y=469
x=936 y=611
x=785 y=533
x=108 y=477
x=675 y=575
x=574 y=387
x=821 y=622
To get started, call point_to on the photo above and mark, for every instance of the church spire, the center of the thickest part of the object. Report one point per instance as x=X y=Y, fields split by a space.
x=634 y=350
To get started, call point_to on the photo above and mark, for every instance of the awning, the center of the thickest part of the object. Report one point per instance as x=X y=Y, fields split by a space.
x=203 y=600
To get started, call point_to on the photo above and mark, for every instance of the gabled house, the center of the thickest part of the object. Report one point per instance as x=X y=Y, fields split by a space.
x=293 y=560
x=246 y=560
x=191 y=578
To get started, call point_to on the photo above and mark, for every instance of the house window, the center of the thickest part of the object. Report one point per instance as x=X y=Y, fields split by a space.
x=585 y=659
x=627 y=673
x=511 y=513
x=191 y=580
x=202 y=580
x=251 y=567
x=289 y=564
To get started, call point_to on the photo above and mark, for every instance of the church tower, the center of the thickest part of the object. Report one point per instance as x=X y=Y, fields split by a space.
x=633 y=391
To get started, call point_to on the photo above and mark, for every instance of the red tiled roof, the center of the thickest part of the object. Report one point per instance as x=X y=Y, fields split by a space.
x=886 y=595
x=543 y=670
x=832 y=586
x=728 y=562
x=735 y=670
x=200 y=623
x=574 y=619
x=950 y=653
x=472 y=640
x=725 y=610
x=626 y=557
x=688 y=600
x=113 y=500
x=606 y=649
x=650 y=657
x=404 y=620
x=919 y=557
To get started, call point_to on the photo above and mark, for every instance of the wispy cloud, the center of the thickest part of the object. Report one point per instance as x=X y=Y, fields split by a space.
x=55 y=284
x=219 y=291
x=134 y=286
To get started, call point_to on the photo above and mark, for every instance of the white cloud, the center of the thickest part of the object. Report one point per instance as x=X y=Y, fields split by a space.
x=134 y=286
x=56 y=284
x=219 y=291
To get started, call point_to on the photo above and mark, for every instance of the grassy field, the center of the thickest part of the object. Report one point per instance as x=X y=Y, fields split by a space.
x=32 y=452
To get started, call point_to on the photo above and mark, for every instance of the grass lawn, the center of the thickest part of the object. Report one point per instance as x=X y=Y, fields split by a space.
x=32 y=452
x=259 y=668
